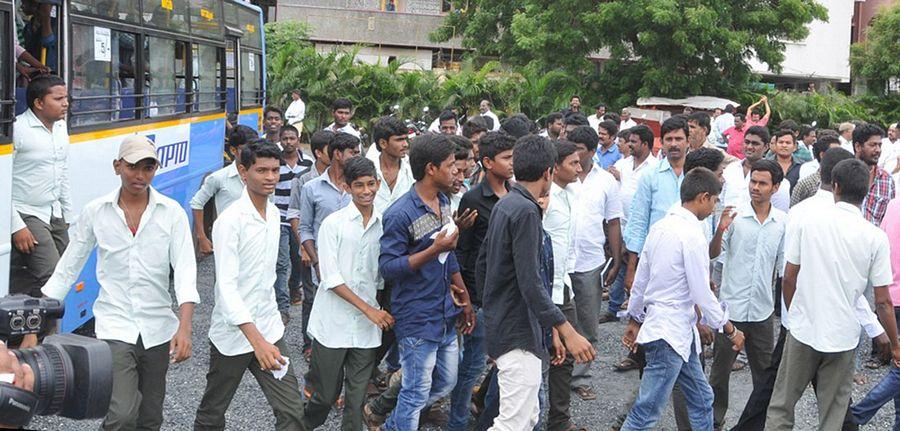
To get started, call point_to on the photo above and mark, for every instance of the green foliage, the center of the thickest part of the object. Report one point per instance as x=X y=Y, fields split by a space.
x=828 y=108
x=657 y=47
x=876 y=58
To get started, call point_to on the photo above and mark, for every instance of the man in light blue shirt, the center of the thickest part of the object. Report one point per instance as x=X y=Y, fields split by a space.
x=607 y=152
x=752 y=240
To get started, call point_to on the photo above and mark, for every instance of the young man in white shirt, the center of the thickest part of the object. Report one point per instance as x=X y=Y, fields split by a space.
x=752 y=239
x=273 y=121
x=342 y=112
x=41 y=202
x=595 y=119
x=296 y=111
x=391 y=165
x=819 y=295
x=224 y=185
x=597 y=203
x=246 y=331
x=346 y=320
x=559 y=224
x=672 y=280
x=139 y=234
x=737 y=175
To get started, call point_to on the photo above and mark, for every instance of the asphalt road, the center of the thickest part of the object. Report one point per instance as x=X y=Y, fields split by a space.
x=250 y=411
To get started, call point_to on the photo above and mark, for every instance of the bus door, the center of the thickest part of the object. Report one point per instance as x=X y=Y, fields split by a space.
x=7 y=105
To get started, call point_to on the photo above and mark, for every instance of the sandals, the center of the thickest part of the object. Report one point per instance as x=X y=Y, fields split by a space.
x=585 y=393
x=627 y=364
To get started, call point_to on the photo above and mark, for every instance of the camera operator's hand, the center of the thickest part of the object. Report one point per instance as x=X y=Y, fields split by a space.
x=23 y=374
x=29 y=340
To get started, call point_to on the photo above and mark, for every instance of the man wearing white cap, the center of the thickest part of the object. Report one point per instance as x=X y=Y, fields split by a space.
x=139 y=234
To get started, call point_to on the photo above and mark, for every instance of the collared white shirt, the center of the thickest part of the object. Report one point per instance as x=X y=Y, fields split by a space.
x=225 y=185
x=753 y=252
x=386 y=196
x=597 y=201
x=809 y=168
x=821 y=203
x=889 y=151
x=594 y=121
x=559 y=224
x=346 y=129
x=348 y=255
x=625 y=125
x=494 y=117
x=296 y=112
x=455 y=199
x=132 y=270
x=839 y=254
x=736 y=191
x=629 y=176
x=246 y=253
x=40 y=171
x=672 y=276
x=846 y=144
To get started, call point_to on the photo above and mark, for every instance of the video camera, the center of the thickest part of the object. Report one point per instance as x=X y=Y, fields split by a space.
x=72 y=373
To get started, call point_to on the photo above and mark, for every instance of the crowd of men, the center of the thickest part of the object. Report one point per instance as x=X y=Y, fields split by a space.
x=480 y=255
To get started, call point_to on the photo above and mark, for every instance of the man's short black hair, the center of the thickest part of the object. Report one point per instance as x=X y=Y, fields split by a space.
x=341 y=103
x=697 y=182
x=241 y=135
x=784 y=132
x=386 y=127
x=612 y=116
x=463 y=147
x=806 y=129
x=644 y=133
x=516 y=126
x=476 y=124
x=672 y=124
x=575 y=96
x=789 y=125
x=288 y=128
x=488 y=122
x=623 y=135
x=863 y=132
x=40 y=86
x=576 y=119
x=703 y=157
x=429 y=149
x=823 y=144
x=610 y=127
x=585 y=135
x=830 y=158
x=553 y=117
x=357 y=167
x=320 y=141
x=770 y=166
x=259 y=148
x=729 y=108
x=760 y=131
x=447 y=116
x=533 y=156
x=740 y=116
x=853 y=177
x=564 y=148
x=342 y=142
x=600 y=105
x=702 y=119
x=494 y=143
x=272 y=108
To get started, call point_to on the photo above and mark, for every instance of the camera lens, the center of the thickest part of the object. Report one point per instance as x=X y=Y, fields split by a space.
x=53 y=381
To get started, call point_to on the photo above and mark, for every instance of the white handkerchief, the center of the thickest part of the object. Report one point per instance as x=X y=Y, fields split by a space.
x=448 y=229
x=279 y=374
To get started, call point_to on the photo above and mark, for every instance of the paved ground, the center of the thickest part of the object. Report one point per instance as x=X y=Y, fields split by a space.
x=249 y=410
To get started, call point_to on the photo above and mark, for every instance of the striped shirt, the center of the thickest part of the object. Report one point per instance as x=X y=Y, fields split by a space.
x=282 y=197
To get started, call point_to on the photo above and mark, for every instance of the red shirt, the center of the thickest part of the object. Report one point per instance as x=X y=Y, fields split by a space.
x=735 y=139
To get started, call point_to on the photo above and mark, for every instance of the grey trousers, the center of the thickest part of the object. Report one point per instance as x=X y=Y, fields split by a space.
x=800 y=364
x=139 y=386
x=29 y=272
x=224 y=376
x=331 y=369
x=587 y=289
x=559 y=379
x=759 y=343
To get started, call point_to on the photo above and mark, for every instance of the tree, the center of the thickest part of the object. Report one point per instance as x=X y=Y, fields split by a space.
x=656 y=47
x=875 y=59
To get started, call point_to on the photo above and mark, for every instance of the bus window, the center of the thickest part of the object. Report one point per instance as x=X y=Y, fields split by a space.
x=6 y=73
x=120 y=10
x=206 y=18
x=249 y=21
x=251 y=91
x=231 y=15
x=39 y=34
x=103 y=79
x=165 y=77
x=207 y=78
x=166 y=14
x=230 y=104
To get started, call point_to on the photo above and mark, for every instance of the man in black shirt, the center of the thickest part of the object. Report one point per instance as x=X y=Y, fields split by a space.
x=518 y=309
x=496 y=157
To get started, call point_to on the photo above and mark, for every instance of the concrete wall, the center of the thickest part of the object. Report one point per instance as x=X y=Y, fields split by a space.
x=825 y=53
x=410 y=58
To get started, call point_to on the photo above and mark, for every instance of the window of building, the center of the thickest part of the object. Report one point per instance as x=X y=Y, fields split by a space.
x=104 y=62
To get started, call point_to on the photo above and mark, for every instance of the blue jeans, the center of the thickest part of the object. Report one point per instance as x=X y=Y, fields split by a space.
x=664 y=368
x=887 y=389
x=283 y=270
x=429 y=373
x=617 y=292
x=470 y=368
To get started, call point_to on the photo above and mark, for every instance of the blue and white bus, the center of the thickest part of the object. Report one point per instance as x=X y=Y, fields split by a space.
x=175 y=71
